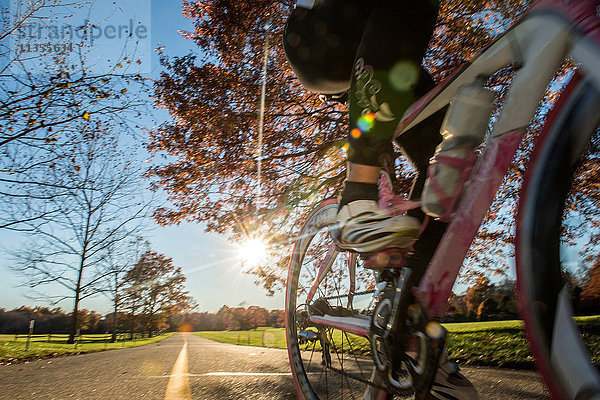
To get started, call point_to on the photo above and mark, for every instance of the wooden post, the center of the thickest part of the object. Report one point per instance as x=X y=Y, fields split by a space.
x=31 y=324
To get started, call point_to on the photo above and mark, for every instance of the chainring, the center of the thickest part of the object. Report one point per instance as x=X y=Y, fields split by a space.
x=405 y=347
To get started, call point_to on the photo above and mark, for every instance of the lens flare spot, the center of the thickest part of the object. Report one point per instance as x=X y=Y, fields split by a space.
x=269 y=339
x=355 y=133
x=344 y=150
x=404 y=75
x=434 y=330
x=366 y=122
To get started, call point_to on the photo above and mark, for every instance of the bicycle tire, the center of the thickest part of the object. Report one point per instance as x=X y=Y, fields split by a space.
x=541 y=247
x=313 y=380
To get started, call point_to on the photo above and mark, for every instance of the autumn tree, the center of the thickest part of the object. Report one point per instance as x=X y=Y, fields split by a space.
x=480 y=291
x=257 y=316
x=156 y=290
x=88 y=320
x=590 y=296
x=276 y=318
x=488 y=309
x=212 y=173
x=45 y=98
x=457 y=308
x=90 y=203
x=119 y=260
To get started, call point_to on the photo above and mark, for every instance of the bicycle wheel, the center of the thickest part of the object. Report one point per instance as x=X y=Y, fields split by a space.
x=557 y=250
x=327 y=363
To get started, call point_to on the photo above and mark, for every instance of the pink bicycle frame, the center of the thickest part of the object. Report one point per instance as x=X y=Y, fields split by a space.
x=492 y=166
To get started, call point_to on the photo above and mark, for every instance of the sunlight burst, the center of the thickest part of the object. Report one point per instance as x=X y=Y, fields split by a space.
x=252 y=252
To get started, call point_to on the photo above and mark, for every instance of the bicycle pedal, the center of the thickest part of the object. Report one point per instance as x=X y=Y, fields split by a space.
x=391 y=258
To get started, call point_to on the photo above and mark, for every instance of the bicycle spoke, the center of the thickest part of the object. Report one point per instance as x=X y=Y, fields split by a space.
x=340 y=375
x=343 y=377
x=353 y=353
x=311 y=355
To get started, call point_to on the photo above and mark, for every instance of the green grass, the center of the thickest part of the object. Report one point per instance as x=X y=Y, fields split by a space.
x=14 y=351
x=483 y=326
x=263 y=337
x=493 y=343
x=503 y=343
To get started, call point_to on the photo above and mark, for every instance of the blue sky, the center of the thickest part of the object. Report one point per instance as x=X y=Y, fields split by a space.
x=209 y=261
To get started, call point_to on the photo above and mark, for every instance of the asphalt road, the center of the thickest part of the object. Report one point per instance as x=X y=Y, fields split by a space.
x=189 y=367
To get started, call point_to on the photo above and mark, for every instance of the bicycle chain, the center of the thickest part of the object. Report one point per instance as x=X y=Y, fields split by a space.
x=346 y=295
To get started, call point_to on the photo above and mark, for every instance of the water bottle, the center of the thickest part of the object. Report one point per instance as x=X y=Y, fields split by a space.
x=463 y=129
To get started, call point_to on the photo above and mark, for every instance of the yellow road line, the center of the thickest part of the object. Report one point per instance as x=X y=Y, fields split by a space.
x=178 y=387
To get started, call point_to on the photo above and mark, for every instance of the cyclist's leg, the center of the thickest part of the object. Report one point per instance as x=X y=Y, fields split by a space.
x=387 y=75
x=386 y=79
x=385 y=82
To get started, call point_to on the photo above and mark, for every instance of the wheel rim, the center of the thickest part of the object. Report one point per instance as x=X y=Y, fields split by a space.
x=349 y=365
x=558 y=218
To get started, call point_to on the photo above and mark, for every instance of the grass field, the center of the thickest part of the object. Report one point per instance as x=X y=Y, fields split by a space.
x=494 y=343
x=43 y=346
x=263 y=337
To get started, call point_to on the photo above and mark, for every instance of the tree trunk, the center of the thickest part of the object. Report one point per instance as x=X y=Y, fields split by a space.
x=75 y=316
x=74 y=320
x=113 y=337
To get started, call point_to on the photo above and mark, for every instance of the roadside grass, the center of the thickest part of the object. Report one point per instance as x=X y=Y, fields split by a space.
x=492 y=343
x=46 y=346
x=262 y=337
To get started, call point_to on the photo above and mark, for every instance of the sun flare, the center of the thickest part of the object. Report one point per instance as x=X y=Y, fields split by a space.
x=253 y=251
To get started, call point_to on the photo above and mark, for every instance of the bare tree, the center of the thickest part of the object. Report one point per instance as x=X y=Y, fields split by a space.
x=120 y=261
x=44 y=104
x=90 y=203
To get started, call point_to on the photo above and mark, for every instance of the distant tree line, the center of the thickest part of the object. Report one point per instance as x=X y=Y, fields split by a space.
x=48 y=320
x=57 y=321
x=144 y=296
x=152 y=299
x=229 y=318
x=485 y=301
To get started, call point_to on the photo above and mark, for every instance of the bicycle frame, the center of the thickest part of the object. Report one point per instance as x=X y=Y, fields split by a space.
x=551 y=31
x=540 y=42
